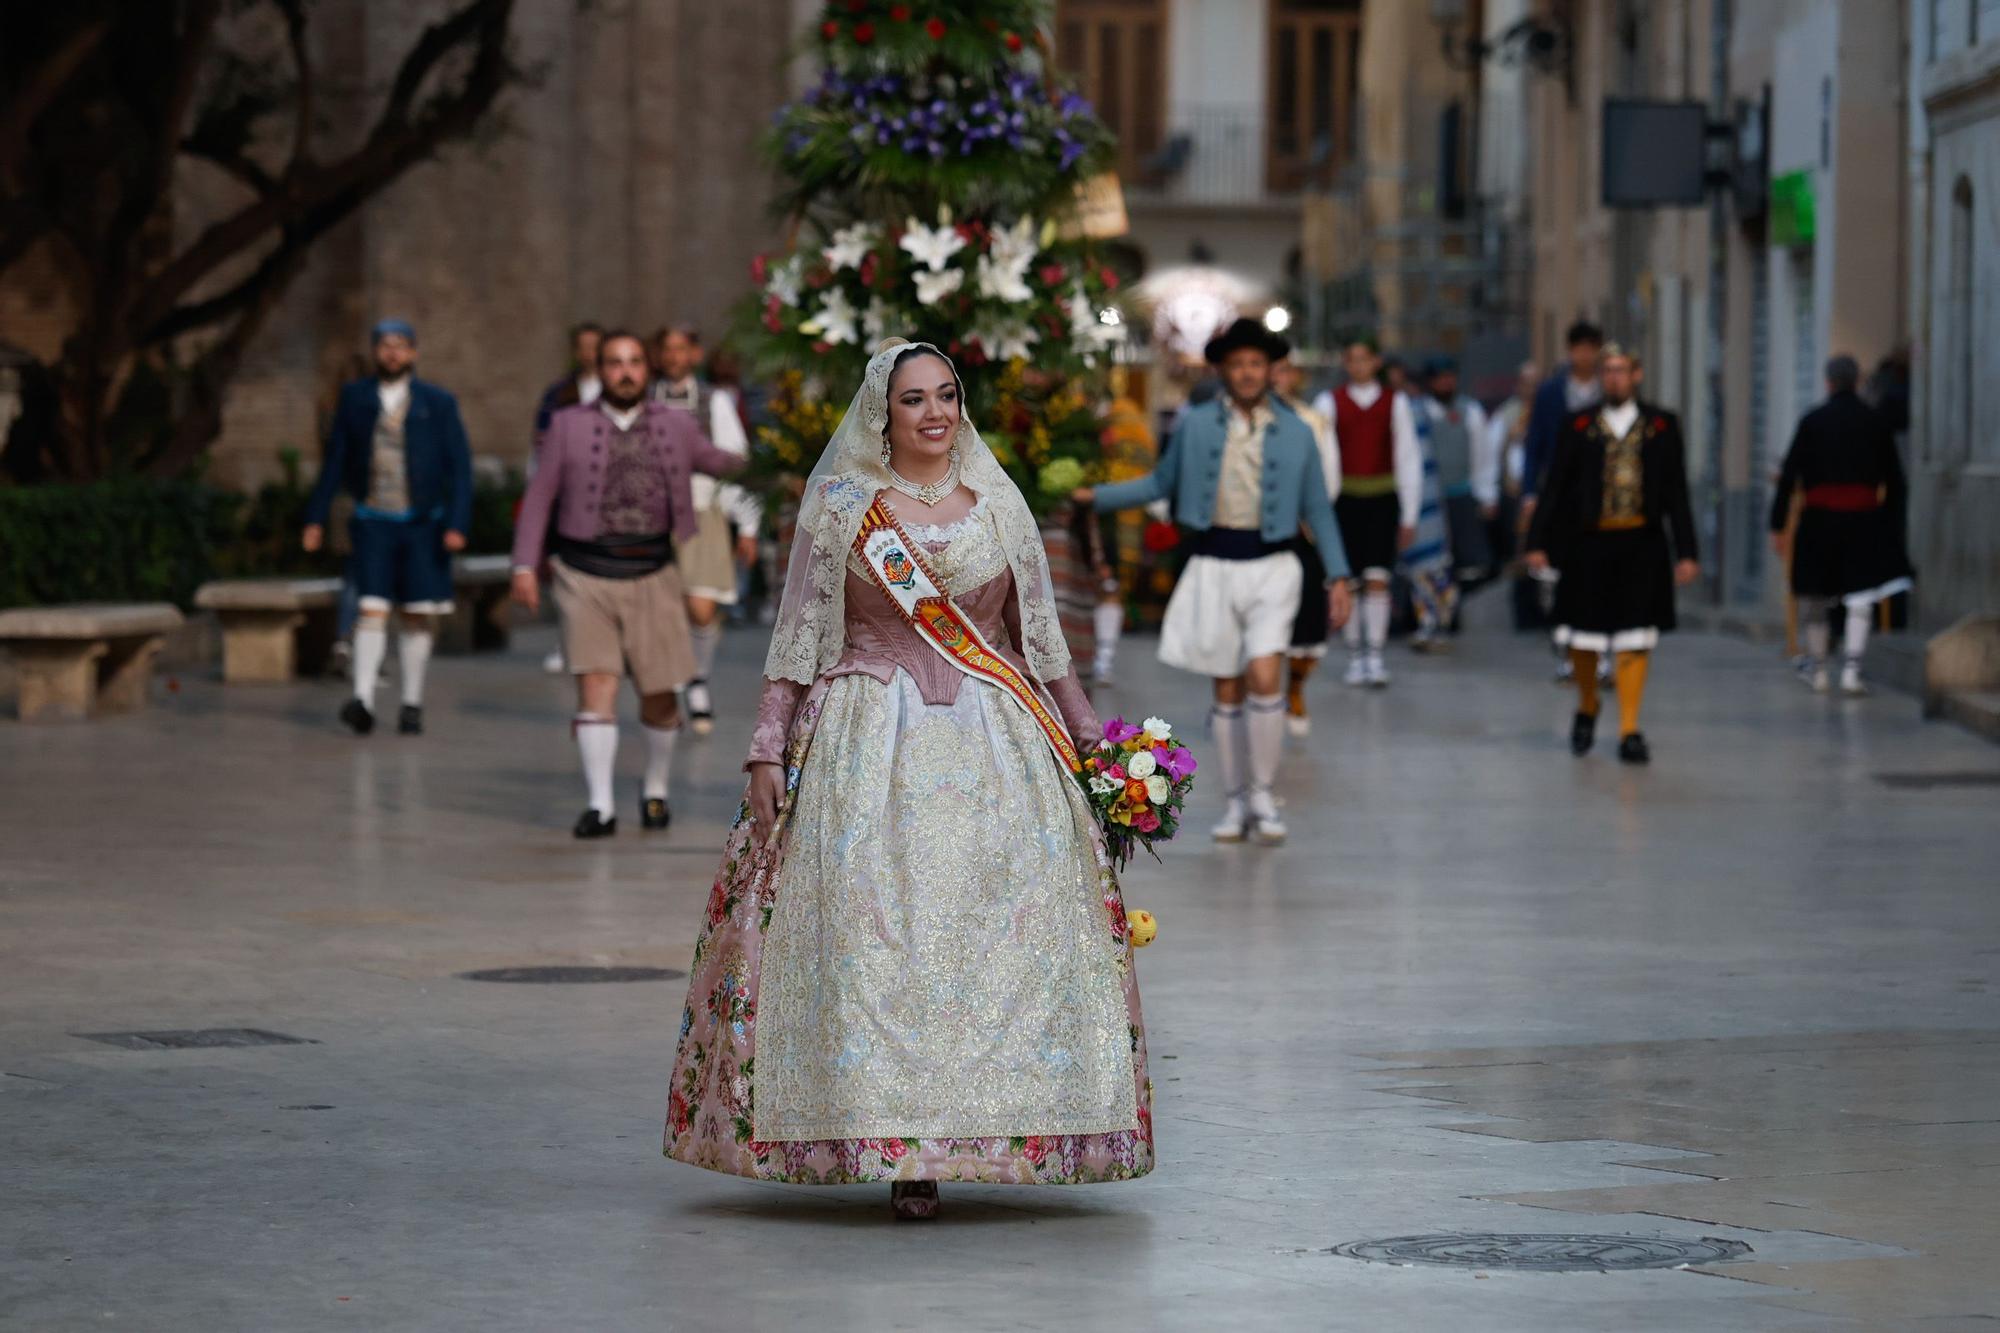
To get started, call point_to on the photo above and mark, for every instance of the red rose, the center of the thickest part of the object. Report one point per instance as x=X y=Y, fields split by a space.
x=678 y=1115
x=829 y=30
x=758 y=270
x=935 y=27
x=895 y=1149
x=1051 y=274
x=1013 y=41
x=822 y=347
x=772 y=321
x=1160 y=536
x=869 y=264
x=1035 y=1150
x=900 y=13
x=953 y=346
x=864 y=33
x=1109 y=278
x=819 y=277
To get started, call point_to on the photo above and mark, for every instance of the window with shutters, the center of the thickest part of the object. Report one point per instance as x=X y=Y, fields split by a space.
x=1116 y=52
x=1315 y=58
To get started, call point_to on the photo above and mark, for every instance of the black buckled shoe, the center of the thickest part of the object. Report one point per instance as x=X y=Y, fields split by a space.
x=357 y=717
x=1582 y=733
x=410 y=722
x=653 y=813
x=1633 y=750
x=590 y=824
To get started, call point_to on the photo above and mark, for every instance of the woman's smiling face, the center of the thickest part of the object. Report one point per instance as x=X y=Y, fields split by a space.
x=923 y=409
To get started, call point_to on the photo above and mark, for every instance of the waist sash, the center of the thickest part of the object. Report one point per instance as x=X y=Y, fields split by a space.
x=617 y=557
x=896 y=566
x=1844 y=497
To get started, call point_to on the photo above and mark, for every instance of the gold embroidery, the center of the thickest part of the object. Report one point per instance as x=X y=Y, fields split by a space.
x=1624 y=479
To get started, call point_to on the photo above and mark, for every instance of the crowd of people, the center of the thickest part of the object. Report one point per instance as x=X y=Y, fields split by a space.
x=1302 y=519
x=914 y=756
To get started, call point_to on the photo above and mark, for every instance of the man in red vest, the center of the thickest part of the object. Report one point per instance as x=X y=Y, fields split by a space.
x=1381 y=482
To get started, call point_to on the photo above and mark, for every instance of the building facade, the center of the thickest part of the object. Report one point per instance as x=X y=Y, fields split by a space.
x=1953 y=276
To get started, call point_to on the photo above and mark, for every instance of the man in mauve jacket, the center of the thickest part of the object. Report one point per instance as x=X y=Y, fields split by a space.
x=611 y=499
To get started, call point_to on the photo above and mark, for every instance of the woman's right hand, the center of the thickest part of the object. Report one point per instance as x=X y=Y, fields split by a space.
x=767 y=793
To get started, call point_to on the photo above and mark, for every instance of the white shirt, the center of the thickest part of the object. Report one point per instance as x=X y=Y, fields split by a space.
x=623 y=418
x=588 y=389
x=1409 y=455
x=394 y=395
x=1485 y=457
x=1619 y=419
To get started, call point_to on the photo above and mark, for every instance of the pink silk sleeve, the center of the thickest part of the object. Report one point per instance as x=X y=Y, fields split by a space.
x=1077 y=714
x=774 y=721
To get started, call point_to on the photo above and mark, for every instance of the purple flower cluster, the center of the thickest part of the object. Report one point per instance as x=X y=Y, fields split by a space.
x=889 y=111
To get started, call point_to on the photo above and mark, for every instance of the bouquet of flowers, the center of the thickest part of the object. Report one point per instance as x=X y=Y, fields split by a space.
x=1136 y=780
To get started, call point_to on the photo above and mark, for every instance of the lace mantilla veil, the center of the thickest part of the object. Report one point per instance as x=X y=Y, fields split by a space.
x=811 y=627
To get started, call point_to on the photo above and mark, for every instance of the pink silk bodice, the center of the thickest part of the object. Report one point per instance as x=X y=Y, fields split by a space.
x=879 y=641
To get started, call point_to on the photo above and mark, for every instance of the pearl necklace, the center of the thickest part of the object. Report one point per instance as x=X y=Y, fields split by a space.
x=931 y=494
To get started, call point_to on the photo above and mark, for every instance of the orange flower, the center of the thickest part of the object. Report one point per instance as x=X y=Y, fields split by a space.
x=1135 y=792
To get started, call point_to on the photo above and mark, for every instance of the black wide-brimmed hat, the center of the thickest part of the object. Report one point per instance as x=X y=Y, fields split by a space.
x=1245 y=333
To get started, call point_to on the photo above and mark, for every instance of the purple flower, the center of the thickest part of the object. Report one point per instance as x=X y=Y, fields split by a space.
x=1176 y=763
x=1118 y=731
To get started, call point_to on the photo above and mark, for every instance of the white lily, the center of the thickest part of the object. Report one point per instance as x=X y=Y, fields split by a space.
x=934 y=287
x=933 y=245
x=836 y=318
x=875 y=319
x=1001 y=282
x=787 y=281
x=851 y=245
x=1157 y=728
x=1006 y=340
x=1014 y=247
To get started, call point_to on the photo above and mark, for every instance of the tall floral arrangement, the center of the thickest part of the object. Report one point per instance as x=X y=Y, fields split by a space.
x=930 y=179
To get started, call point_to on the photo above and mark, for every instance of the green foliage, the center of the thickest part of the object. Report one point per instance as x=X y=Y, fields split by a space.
x=122 y=540
x=135 y=539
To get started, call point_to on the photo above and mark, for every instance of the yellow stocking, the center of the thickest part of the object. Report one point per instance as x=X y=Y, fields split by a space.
x=1630 y=668
x=1583 y=665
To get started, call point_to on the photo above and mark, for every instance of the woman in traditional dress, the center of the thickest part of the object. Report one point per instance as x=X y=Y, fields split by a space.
x=915 y=965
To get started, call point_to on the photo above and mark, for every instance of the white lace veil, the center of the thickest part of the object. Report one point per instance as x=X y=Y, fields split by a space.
x=811 y=628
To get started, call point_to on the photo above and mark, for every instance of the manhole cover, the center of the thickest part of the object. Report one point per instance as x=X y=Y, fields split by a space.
x=571 y=976
x=1545 y=1252
x=194 y=1039
x=1926 y=781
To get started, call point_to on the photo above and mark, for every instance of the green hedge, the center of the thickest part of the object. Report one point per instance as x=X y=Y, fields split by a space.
x=138 y=540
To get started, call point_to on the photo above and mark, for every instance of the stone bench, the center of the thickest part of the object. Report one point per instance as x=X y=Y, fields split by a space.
x=87 y=658
x=480 y=619
x=273 y=628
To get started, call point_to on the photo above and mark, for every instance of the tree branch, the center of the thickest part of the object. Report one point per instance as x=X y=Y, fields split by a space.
x=392 y=147
x=295 y=33
x=238 y=165
x=37 y=92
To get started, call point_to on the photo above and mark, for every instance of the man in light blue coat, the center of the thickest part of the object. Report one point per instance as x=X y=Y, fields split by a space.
x=1244 y=475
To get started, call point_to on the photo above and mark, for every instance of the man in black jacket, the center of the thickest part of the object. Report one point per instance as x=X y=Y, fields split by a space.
x=1615 y=522
x=1849 y=543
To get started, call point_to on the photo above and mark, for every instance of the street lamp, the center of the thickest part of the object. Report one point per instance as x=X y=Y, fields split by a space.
x=1277 y=319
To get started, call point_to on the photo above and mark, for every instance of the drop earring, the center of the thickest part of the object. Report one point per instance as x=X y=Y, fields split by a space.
x=885 y=450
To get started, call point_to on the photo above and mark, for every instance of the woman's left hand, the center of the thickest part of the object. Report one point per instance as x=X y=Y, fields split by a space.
x=1686 y=572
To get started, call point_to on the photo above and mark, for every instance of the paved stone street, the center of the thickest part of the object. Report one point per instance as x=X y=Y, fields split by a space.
x=1748 y=994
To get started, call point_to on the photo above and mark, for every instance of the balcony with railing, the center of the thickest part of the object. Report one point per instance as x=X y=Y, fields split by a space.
x=1213 y=156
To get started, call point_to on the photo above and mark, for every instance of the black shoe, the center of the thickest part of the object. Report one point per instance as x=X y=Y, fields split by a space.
x=1632 y=750
x=356 y=715
x=410 y=722
x=590 y=824
x=653 y=813
x=1582 y=733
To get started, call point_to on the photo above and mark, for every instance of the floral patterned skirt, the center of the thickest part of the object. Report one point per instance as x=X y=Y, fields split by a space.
x=935 y=958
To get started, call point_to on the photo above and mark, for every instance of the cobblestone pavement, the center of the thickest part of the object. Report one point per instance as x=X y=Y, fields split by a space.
x=1747 y=994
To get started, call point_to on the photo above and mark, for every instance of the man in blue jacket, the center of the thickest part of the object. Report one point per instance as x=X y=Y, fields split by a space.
x=398 y=447
x=1244 y=474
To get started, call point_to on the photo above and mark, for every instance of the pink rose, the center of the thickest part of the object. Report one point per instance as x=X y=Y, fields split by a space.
x=1146 y=821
